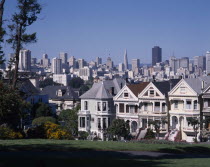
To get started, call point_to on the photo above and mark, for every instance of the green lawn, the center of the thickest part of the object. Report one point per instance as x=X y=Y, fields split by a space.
x=44 y=153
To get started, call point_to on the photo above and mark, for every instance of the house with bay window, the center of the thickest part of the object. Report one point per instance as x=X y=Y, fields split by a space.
x=185 y=101
x=97 y=107
x=127 y=105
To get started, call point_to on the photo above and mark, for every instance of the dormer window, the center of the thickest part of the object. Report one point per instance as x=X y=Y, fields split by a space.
x=151 y=93
x=59 y=93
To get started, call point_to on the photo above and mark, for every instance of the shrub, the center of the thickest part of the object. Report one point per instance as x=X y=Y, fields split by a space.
x=83 y=135
x=7 y=133
x=43 y=120
x=150 y=134
x=48 y=130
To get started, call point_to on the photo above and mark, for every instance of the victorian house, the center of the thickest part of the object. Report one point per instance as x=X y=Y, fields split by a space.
x=97 y=107
x=127 y=105
x=185 y=101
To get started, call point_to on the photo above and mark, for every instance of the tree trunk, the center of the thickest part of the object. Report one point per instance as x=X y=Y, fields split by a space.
x=18 y=47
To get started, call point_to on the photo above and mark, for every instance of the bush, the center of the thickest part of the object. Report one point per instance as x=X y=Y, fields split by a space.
x=150 y=134
x=49 y=130
x=7 y=133
x=43 y=120
x=83 y=135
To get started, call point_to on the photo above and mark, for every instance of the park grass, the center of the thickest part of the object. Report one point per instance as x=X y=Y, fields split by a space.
x=73 y=145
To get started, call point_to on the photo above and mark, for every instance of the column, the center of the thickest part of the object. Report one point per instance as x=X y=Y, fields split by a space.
x=147 y=122
x=184 y=105
x=192 y=104
x=161 y=106
x=153 y=106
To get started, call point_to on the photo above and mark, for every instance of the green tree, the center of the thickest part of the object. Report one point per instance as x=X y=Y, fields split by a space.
x=157 y=125
x=11 y=106
x=41 y=110
x=70 y=119
x=47 y=82
x=195 y=124
x=26 y=15
x=76 y=82
x=119 y=128
x=43 y=120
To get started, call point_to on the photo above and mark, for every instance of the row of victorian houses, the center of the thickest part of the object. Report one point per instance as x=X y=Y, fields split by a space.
x=174 y=100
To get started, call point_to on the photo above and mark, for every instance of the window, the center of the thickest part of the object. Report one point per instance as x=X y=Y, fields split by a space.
x=99 y=106
x=88 y=122
x=127 y=108
x=145 y=106
x=188 y=104
x=125 y=94
x=151 y=93
x=82 y=122
x=176 y=104
x=182 y=90
x=121 y=108
x=92 y=119
x=104 y=106
x=109 y=122
x=136 y=109
x=85 y=105
x=99 y=123
x=195 y=105
x=208 y=102
x=104 y=123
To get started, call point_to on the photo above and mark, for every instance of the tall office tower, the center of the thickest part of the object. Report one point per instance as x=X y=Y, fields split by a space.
x=56 y=66
x=200 y=62
x=135 y=64
x=45 y=61
x=109 y=63
x=25 y=60
x=207 y=62
x=184 y=62
x=125 y=60
x=72 y=62
x=156 y=55
x=121 y=67
x=174 y=63
x=33 y=61
x=81 y=63
x=64 y=57
x=98 y=61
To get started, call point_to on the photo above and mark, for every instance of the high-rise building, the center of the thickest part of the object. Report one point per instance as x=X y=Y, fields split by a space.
x=184 y=62
x=25 y=60
x=81 y=63
x=56 y=66
x=174 y=64
x=109 y=63
x=135 y=64
x=125 y=60
x=121 y=67
x=45 y=61
x=72 y=62
x=207 y=62
x=156 y=55
x=64 y=57
x=200 y=62
x=33 y=61
x=98 y=61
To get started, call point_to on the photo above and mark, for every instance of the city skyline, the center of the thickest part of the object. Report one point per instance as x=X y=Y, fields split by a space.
x=99 y=28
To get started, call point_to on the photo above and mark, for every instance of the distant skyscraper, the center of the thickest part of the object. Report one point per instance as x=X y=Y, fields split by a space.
x=64 y=57
x=135 y=64
x=184 y=62
x=98 y=60
x=200 y=62
x=121 y=67
x=174 y=63
x=72 y=62
x=109 y=63
x=156 y=55
x=25 y=60
x=125 y=60
x=81 y=63
x=207 y=62
x=33 y=61
x=56 y=66
x=45 y=61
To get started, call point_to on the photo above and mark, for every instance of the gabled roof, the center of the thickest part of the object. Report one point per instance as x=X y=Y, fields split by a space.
x=68 y=92
x=137 y=88
x=165 y=86
x=102 y=90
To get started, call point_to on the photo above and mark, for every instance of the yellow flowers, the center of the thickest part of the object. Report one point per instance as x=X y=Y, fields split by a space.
x=7 y=133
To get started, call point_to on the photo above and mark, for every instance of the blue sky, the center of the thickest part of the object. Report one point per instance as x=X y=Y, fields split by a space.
x=90 y=28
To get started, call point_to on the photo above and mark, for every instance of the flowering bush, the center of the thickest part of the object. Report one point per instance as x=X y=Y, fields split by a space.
x=7 y=133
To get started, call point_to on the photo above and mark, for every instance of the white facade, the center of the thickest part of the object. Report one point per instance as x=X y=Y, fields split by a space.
x=25 y=60
x=61 y=78
x=56 y=66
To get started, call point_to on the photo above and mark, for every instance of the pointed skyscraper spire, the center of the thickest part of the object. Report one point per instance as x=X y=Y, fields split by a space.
x=125 y=60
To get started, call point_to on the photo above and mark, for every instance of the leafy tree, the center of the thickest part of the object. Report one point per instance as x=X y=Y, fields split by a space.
x=70 y=119
x=2 y=32
x=43 y=120
x=47 y=82
x=119 y=128
x=76 y=82
x=26 y=15
x=157 y=124
x=195 y=123
x=41 y=110
x=11 y=106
